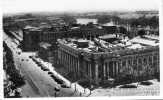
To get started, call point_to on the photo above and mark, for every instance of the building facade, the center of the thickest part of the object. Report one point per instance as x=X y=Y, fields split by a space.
x=33 y=36
x=101 y=66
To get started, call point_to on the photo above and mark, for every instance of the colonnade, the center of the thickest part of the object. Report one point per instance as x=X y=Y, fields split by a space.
x=70 y=61
x=147 y=64
x=136 y=65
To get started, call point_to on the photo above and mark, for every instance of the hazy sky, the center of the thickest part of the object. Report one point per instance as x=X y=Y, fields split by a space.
x=15 y=6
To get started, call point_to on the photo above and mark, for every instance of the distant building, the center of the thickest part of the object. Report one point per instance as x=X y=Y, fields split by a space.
x=32 y=36
x=110 y=28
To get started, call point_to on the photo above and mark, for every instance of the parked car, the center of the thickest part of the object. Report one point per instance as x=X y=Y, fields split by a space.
x=30 y=56
x=19 y=53
x=50 y=73
x=59 y=81
x=34 y=59
x=64 y=86
x=45 y=69
x=38 y=63
x=54 y=77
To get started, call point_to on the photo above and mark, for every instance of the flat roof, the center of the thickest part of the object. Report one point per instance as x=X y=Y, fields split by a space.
x=107 y=36
x=102 y=46
x=144 y=41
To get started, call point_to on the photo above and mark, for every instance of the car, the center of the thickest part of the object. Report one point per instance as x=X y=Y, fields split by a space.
x=50 y=73
x=64 y=86
x=53 y=77
x=59 y=81
x=22 y=59
x=38 y=63
x=30 y=56
x=45 y=69
x=34 y=59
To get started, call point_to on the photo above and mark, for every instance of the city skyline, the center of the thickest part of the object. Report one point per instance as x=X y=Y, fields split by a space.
x=19 y=6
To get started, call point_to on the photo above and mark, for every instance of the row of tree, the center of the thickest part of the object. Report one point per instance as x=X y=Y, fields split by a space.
x=14 y=75
x=134 y=22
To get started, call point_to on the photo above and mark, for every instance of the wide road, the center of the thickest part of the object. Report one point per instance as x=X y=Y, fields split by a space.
x=40 y=81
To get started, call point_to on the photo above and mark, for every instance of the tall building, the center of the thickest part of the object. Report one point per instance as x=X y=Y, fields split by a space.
x=32 y=36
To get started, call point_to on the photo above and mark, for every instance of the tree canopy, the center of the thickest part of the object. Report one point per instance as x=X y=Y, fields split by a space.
x=141 y=32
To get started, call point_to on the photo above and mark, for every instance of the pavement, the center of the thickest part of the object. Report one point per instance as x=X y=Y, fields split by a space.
x=141 y=90
x=39 y=81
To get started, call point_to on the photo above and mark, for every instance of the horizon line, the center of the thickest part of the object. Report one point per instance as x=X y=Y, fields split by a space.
x=75 y=11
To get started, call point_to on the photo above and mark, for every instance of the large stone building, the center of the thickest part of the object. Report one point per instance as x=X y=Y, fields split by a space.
x=99 y=61
x=32 y=36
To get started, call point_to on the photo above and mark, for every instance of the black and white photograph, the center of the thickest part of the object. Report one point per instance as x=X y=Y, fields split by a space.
x=81 y=48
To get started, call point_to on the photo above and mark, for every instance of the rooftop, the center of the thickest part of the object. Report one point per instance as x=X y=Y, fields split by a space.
x=45 y=45
x=145 y=41
x=121 y=45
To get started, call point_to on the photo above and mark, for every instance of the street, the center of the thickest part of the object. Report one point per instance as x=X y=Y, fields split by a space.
x=40 y=81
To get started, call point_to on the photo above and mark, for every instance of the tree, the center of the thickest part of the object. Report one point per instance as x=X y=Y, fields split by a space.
x=69 y=19
x=122 y=30
x=104 y=19
x=154 y=22
x=134 y=22
x=141 y=32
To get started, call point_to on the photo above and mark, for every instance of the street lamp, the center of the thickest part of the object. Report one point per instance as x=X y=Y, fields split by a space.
x=56 y=90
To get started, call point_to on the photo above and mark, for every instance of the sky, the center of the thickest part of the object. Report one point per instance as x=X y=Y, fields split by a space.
x=17 y=6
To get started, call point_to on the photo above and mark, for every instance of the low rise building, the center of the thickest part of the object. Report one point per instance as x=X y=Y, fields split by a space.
x=99 y=61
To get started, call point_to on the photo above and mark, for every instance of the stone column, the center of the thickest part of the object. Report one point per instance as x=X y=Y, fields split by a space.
x=104 y=70
x=90 y=67
x=117 y=68
x=108 y=70
x=136 y=61
x=157 y=63
x=61 y=56
x=77 y=65
x=73 y=64
x=113 y=64
x=64 y=58
x=126 y=64
x=137 y=64
x=69 y=62
x=67 y=59
x=75 y=68
x=96 y=73
x=152 y=59
x=80 y=65
x=132 y=62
